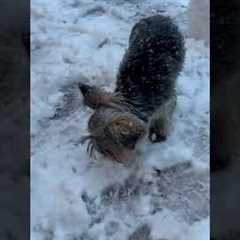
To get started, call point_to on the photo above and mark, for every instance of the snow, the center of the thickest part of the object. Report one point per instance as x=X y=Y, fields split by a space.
x=199 y=20
x=165 y=194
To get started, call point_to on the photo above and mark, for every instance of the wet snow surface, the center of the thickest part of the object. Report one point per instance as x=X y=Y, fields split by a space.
x=165 y=194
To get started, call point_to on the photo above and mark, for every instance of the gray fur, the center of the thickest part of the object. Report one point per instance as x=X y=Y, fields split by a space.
x=151 y=64
x=148 y=72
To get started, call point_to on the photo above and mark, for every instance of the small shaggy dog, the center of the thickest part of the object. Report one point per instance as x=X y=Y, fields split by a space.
x=145 y=98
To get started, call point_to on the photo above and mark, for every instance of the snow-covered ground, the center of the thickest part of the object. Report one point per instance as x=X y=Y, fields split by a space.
x=165 y=195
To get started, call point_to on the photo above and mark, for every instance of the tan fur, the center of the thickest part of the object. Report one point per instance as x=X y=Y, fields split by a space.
x=113 y=129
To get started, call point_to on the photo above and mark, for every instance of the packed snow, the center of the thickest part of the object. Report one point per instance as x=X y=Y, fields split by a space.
x=164 y=195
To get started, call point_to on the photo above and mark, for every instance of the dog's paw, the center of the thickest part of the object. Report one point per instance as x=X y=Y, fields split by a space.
x=155 y=137
x=158 y=130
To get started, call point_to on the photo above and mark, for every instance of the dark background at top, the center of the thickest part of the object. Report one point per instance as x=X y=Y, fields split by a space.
x=14 y=119
x=225 y=119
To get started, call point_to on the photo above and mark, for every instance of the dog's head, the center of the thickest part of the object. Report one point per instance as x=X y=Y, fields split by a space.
x=114 y=129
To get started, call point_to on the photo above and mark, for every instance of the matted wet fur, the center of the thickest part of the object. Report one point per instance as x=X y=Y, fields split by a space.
x=144 y=99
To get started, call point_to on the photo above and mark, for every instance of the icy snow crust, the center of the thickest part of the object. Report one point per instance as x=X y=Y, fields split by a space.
x=165 y=194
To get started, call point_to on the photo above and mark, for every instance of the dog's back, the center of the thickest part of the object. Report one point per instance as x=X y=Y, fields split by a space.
x=152 y=63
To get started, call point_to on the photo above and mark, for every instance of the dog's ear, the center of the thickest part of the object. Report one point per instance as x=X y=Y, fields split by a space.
x=84 y=88
x=90 y=95
x=94 y=97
